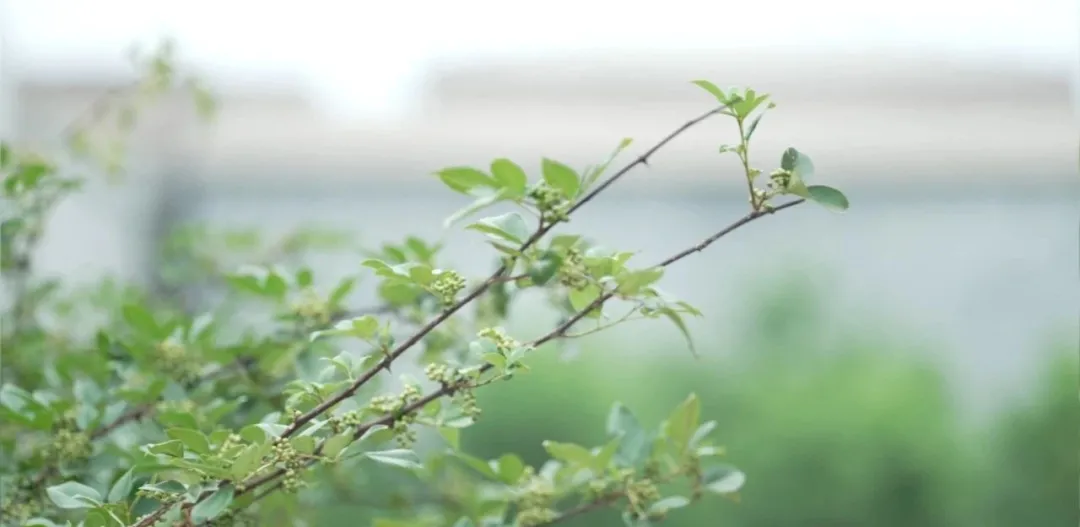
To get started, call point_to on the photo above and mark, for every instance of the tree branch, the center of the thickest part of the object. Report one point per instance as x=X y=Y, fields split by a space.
x=558 y=332
x=496 y=277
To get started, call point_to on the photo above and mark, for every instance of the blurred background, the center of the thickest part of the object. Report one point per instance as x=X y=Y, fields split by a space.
x=911 y=362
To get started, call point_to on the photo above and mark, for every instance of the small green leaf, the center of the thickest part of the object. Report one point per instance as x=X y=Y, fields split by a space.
x=73 y=495
x=667 y=504
x=632 y=282
x=510 y=226
x=510 y=176
x=477 y=464
x=481 y=203
x=714 y=90
x=121 y=489
x=452 y=436
x=248 y=460
x=376 y=435
x=828 y=197
x=304 y=278
x=702 y=432
x=193 y=440
x=584 y=297
x=545 y=268
x=141 y=320
x=213 y=506
x=465 y=179
x=363 y=327
x=635 y=442
x=561 y=177
x=723 y=479
x=511 y=467
x=173 y=448
x=5 y=155
x=753 y=126
x=398 y=457
x=789 y=159
x=590 y=176
x=683 y=422
x=676 y=318
x=569 y=453
x=341 y=291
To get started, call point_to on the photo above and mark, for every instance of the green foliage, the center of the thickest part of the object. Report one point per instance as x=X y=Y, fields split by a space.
x=158 y=412
x=847 y=430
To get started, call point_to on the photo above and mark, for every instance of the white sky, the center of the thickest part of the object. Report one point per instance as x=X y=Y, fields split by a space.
x=362 y=54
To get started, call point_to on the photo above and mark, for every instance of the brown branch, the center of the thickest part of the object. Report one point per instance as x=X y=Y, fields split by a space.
x=496 y=277
x=556 y=333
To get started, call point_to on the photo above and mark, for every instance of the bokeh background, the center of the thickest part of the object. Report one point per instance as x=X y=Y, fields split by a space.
x=912 y=362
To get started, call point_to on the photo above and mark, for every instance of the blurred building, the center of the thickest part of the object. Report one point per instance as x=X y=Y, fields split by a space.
x=962 y=178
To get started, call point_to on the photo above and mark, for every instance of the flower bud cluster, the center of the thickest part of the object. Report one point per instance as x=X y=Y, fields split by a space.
x=552 y=202
x=535 y=500
x=395 y=405
x=573 y=273
x=447 y=285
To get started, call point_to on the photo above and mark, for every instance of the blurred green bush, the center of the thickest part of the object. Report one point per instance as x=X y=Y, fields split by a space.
x=851 y=429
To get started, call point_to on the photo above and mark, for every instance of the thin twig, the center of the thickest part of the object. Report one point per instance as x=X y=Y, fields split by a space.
x=391 y=356
x=556 y=333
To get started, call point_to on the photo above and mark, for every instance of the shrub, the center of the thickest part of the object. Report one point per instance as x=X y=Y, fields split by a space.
x=160 y=415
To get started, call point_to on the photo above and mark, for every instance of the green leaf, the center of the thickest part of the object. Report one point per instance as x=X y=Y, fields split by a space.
x=630 y=283
x=465 y=179
x=603 y=456
x=336 y=444
x=193 y=440
x=341 y=291
x=667 y=504
x=304 y=278
x=477 y=464
x=376 y=435
x=95 y=518
x=213 y=506
x=702 y=432
x=828 y=197
x=73 y=495
x=121 y=489
x=748 y=104
x=723 y=479
x=363 y=327
x=173 y=448
x=398 y=457
x=479 y=204
x=510 y=176
x=584 y=297
x=141 y=320
x=545 y=268
x=676 y=318
x=511 y=467
x=569 y=453
x=561 y=177
x=753 y=126
x=451 y=435
x=683 y=422
x=713 y=89
x=510 y=226
x=248 y=460
x=5 y=155
x=635 y=442
x=788 y=159
x=589 y=177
